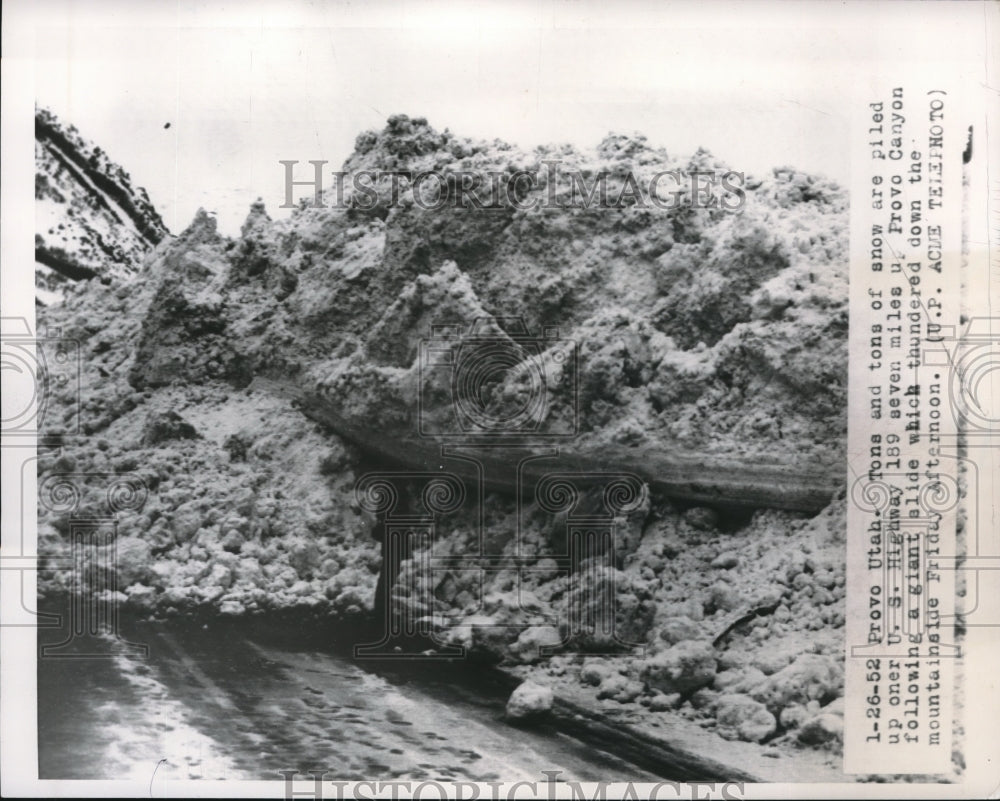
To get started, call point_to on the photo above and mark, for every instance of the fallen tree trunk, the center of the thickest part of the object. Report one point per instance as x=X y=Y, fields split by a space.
x=707 y=481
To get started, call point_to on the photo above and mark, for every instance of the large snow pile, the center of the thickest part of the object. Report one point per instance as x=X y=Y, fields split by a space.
x=702 y=331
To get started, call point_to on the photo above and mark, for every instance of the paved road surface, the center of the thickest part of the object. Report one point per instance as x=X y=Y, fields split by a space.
x=217 y=704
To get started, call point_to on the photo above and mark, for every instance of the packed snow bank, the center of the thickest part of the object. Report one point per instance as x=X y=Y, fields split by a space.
x=697 y=330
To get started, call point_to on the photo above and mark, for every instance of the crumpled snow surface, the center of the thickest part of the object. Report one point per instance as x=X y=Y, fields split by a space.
x=698 y=331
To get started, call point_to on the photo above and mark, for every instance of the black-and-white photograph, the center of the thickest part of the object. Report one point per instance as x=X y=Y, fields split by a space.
x=408 y=398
